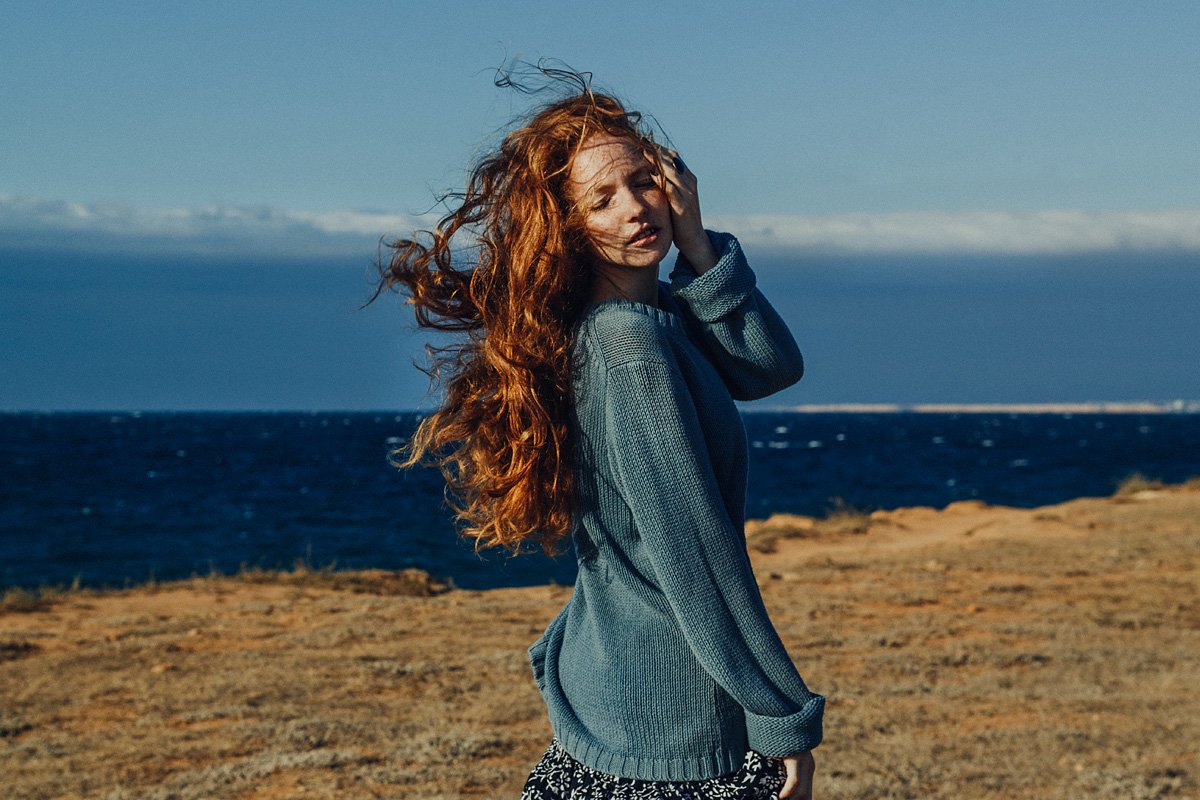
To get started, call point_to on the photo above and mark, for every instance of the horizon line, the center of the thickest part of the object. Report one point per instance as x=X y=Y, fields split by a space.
x=1085 y=407
x=1178 y=406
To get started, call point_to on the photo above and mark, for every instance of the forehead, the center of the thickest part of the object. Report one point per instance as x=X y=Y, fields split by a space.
x=603 y=159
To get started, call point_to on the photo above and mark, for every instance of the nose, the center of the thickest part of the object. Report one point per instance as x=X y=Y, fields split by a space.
x=632 y=204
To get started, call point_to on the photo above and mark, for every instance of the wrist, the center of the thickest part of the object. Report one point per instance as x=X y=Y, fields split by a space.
x=699 y=252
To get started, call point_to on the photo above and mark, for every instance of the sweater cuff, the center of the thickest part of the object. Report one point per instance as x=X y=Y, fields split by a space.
x=718 y=292
x=784 y=736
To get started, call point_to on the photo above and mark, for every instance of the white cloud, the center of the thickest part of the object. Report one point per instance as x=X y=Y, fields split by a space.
x=212 y=230
x=1035 y=232
x=249 y=231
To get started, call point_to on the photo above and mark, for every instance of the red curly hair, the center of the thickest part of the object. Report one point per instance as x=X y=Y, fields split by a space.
x=502 y=435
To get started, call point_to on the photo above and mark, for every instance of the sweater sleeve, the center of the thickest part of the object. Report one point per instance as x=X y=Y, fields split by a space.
x=746 y=339
x=699 y=556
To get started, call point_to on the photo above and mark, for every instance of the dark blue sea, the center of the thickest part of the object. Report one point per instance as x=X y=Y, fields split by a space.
x=112 y=499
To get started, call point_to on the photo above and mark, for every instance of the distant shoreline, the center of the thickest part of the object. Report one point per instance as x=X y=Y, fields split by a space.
x=1174 y=407
x=1089 y=407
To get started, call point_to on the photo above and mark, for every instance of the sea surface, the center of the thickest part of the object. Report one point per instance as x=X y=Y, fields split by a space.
x=112 y=499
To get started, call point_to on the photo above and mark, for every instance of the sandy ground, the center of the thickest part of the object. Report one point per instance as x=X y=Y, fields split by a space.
x=972 y=652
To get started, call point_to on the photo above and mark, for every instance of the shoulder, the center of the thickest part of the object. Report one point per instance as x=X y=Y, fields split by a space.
x=620 y=333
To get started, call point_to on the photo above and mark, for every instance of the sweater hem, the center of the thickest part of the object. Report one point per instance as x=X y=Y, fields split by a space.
x=713 y=765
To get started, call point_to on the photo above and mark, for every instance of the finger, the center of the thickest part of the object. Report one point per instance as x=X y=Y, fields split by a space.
x=674 y=181
x=793 y=779
x=670 y=158
x=665 y=164
x=677 y=176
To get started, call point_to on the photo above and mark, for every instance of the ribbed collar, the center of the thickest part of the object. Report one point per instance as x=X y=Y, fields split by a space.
x=660 y=314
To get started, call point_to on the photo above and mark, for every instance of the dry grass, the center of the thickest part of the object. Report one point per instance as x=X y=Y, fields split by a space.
x=844 y=520
x=1137 y=482
x=403 y=583
x=968 y=653
x=406 y=582
x=19 y=600
x=764 y=536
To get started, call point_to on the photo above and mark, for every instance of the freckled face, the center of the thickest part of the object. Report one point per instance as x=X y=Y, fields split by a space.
x=627 y=216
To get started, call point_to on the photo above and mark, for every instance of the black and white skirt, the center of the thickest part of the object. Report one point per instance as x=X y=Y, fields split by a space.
x=558 y=776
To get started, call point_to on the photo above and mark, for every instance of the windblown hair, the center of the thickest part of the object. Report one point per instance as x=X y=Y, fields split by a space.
x=502 y=436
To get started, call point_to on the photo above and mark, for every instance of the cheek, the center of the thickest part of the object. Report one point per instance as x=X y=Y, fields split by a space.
x=599 y=229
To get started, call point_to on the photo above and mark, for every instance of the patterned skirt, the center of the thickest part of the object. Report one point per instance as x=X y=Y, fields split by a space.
x=558 y=776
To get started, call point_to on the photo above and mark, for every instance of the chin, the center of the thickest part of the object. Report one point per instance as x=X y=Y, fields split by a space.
x=642 y=260
x=650 y=262
x=653 y=257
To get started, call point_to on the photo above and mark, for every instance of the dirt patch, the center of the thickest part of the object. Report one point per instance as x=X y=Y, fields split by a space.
x=973 y=652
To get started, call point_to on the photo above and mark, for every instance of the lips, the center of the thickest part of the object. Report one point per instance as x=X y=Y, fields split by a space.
x=645 y=235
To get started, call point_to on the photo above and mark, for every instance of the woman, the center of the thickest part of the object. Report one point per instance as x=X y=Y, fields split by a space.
x=590 y=401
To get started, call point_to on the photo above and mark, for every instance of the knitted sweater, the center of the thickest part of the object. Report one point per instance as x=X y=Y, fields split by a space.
x=664 y=665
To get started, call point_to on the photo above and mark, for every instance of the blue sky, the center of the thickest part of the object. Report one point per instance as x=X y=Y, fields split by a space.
x=806 y=107
x=189 y=150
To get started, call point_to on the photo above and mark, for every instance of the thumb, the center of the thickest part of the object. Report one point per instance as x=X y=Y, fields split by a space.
x=793 y=778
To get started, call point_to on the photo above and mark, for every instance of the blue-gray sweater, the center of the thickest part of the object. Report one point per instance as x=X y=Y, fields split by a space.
x=664 y=665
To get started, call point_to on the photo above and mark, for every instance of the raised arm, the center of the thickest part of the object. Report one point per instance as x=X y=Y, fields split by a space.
x=746 y=339
x=699 y=556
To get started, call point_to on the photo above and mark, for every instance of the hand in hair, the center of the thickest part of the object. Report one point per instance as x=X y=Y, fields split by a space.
x=682 y=191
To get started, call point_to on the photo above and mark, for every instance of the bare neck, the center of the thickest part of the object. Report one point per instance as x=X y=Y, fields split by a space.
x=639 y=284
